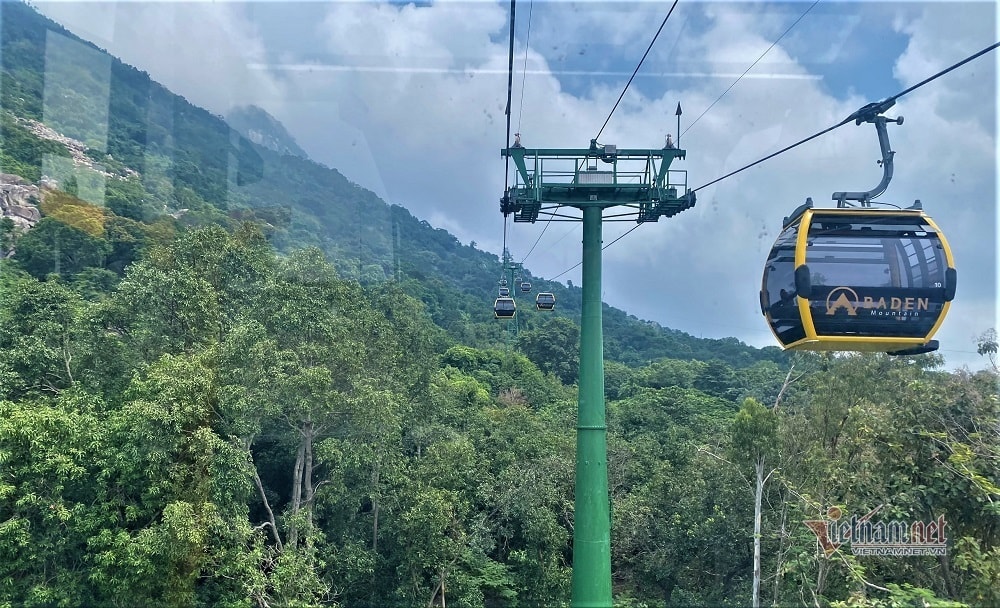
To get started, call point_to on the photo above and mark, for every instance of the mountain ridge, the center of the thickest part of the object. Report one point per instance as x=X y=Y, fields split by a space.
x=257 y=125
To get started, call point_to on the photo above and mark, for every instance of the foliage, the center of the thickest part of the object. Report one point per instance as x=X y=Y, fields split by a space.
x=262 y=430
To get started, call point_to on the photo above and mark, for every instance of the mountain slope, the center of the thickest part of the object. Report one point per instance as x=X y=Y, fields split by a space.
x=195 y=167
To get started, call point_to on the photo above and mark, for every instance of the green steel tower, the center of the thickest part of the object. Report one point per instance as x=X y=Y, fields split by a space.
x=511 y=271
x=555 y=183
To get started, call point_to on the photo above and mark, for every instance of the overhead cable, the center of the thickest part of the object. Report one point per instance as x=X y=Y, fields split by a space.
x=629 y=231
x=636 y=69
x=860 y=115
x=546 y=227
x=524 y=70
x=756 y=61
x=510 y=87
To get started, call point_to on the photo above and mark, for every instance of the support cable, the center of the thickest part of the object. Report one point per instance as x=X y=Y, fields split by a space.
x=751 y=66
x=859 y=116
x=503 y=254
x=869 y=110
x=569 y=232
x=520 y=113
x=566 y=218
x=578 y=264
x=944 y=71
x=538 y=239
x=629 y=231
x=554 y=243
x=636 y=69
x=770 y=156
x=620 y=97
x=510 y=88
x=524 y=69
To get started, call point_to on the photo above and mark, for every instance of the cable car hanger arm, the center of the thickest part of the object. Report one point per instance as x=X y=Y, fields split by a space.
x=869 y=114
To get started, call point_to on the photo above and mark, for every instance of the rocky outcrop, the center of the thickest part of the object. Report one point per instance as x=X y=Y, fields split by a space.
x=77 y=149
x=264 y=130
x=19 y=201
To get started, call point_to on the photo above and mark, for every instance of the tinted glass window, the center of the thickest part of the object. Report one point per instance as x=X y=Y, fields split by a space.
x=894 y=252
x=779 y=288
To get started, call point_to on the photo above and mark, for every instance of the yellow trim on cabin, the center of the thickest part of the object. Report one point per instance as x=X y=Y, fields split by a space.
x=801 y=244
x=856 y=343
x=940 y=320
x=944 y=242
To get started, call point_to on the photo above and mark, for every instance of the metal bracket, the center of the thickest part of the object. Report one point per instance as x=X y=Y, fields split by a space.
x=606 y=152
x=634 y=177
x=868 y=114
x=507 y=206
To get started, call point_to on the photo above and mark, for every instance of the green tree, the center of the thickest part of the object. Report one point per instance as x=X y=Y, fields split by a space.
x=183 y=536
x=8 y=236
x=55 y=247
x=49 y=499
x=670 y=372
x=40 y=343
x=986 y=345
x=554 y=347
x=754 y=441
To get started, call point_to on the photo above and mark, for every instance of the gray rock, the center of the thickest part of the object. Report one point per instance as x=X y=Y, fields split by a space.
x=18 y=201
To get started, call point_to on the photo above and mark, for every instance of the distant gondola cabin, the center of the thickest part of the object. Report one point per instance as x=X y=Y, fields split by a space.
x=545 y=301
x=858 y=279
x=504 y=308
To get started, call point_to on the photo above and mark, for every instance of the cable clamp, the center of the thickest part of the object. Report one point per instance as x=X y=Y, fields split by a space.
x=868 y=112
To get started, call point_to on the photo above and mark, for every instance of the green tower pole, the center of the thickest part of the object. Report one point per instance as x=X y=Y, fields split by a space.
x=591 y=587
x=538 y=190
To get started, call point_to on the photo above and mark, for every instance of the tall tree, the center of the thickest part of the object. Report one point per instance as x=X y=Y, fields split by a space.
x=755 y=442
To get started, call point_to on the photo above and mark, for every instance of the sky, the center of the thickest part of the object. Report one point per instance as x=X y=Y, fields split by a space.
x=408 y=101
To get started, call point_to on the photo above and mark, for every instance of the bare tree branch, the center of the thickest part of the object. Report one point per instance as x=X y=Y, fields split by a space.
x=263 y=497
x=784 y=385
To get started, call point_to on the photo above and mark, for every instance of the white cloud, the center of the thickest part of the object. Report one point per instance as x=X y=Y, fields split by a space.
x=199 y=50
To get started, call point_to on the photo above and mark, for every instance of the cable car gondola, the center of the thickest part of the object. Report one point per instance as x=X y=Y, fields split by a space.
x=859 y=279
x=545 y=301
x=504 y=308
x=504 y=292
x=525 y=287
